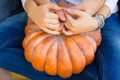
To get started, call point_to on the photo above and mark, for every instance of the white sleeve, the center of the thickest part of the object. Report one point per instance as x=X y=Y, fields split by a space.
x=23 y=2
x=112 y=4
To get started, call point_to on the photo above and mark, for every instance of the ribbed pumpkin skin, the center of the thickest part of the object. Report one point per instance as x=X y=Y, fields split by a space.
x=59 y=54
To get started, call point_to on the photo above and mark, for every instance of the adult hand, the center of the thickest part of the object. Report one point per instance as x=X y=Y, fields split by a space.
x=44 y=15
x=80 y=21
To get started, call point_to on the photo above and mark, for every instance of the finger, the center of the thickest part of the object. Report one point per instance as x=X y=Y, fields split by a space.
x=68 y=26
x=52 y=21
x=52 y=15
x=53 y=26
x=61 y=15
x=69 y=22
x=50 y=31
x=67 y=32
x=42 y=26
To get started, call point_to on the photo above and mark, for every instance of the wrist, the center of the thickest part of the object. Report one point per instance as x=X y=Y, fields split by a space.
x=100 y=20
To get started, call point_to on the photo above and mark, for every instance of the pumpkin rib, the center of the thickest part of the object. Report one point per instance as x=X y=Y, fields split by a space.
x=77 y=58
x=96 y=36
x=84 y=47
x=91 y=42
x=64 y=65
x=41 y=42
x=39 y=56
x=51 y=59
x=33 y=43
x=29 y=37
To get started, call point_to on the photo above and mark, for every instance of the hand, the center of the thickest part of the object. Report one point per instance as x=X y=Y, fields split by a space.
x=80 y=21
x=44 y=15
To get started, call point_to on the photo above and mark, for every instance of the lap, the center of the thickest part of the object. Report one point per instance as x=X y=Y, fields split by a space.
x=12 y=31
x=12 y=57
x=107 y=55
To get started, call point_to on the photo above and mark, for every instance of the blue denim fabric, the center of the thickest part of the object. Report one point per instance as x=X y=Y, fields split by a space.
x=106 y=65
x=9 y=8
x=108 y=54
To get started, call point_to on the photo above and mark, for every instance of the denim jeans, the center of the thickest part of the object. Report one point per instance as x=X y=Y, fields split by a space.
x=9 y=8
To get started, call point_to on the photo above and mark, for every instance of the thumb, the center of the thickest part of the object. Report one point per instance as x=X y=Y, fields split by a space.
x=69 y=21
x=61 y=15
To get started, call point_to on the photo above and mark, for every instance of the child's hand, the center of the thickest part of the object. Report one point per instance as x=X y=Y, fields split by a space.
x=44 y=16
x=80 y=21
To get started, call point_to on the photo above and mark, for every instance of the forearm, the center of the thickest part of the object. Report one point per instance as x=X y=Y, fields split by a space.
x=112 y=5
x=38 y=2
x=108 y=8
x=28 y=4
x=91 y=6
x=105 y=11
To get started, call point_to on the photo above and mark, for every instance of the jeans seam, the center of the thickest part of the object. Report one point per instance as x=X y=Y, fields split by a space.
x=10 y=40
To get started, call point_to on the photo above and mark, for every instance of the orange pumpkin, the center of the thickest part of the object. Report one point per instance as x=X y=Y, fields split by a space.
x=59 y=54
